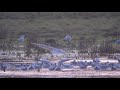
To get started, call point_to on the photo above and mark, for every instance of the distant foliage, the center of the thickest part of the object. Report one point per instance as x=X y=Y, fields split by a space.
x=51 y=42
x=3 y=32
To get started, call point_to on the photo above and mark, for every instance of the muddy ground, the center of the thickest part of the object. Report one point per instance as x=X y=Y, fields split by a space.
x=73 y=73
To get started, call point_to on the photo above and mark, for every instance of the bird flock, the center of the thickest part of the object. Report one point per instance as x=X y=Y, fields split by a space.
x=61 y=65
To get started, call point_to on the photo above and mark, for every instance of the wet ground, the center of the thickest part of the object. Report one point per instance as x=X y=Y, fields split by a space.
x=73 y=73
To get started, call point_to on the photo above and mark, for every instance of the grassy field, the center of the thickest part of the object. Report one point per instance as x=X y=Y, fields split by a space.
x=98 y=25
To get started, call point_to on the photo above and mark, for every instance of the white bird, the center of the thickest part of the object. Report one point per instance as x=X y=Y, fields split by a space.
x=21 y=38
x=54 y=51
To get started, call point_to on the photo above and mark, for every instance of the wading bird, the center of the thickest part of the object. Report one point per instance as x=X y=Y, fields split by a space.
x=55 y=52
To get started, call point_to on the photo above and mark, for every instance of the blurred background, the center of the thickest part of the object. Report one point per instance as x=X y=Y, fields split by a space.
x=87 y=29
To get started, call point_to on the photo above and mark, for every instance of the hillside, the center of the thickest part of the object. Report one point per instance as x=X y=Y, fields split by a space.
x=99 y=25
